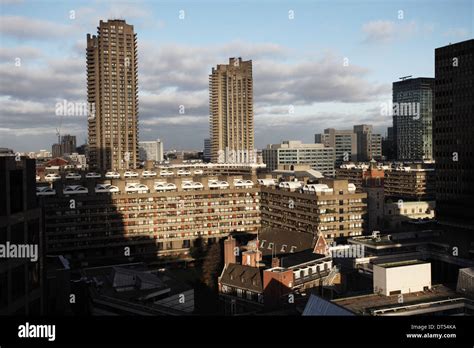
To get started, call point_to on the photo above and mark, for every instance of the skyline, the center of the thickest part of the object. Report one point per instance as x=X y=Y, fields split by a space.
x=172 y=72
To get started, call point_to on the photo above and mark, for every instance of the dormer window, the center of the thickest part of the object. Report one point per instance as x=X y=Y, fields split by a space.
x=283 y=248
x=270 y=246
x=293 y=249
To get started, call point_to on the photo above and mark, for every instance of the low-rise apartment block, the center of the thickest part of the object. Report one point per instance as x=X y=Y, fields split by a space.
x=332 y=207
x=415 y=182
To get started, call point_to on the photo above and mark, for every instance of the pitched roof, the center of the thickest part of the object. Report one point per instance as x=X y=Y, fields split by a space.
x=299 y=258
x=319 y=306
x=243 y=277
x=284 y=241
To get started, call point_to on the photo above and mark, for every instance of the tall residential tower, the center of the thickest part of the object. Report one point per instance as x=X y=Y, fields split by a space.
x=112 y=90
x=231 y=112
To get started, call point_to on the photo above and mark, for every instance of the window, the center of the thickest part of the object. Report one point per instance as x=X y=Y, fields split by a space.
x=239 y=292
x=270 y=246
x=283 y=248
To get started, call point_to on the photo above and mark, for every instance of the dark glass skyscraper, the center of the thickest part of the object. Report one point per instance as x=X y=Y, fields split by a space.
x=412 y=118
x=453 y=133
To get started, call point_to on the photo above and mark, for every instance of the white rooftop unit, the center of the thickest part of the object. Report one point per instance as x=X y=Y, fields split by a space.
x=164 y=186
x=401 y=277
x=317 y=188
x=75 y=189
x=290 y=184
x=136 y=187
x=267 y=182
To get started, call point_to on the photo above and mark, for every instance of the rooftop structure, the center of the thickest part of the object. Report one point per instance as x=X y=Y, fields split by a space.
x=437 y=300
x=132 y=289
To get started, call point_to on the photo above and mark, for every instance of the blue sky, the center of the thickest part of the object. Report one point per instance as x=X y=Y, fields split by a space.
x=298 y=62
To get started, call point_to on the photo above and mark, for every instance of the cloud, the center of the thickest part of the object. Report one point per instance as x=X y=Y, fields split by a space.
x=172 y=75
x=385 y=31
x=25 y=53
x=175 y=120
x=311 y=81
x=24 y=28
x=457 y=33
x=379 y=31
x=63 y=79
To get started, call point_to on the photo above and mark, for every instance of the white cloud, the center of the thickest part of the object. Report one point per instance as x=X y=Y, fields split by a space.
x=385 y=31
x=27 y=28
x=457 y=33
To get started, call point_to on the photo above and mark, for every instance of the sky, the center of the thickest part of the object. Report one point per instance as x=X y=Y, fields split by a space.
x=316 y=64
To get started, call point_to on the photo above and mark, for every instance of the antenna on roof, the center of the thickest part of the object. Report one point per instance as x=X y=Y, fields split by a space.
x=403 y=78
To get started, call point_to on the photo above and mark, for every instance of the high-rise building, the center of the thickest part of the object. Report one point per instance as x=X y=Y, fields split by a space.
x=207 y=150
x=318 y=156
x=453 y=130
x=388 y=146
x=68 y=144
x=412 y=118
x=344 y=143
x=112 y=89
x=21 y=239
x=231 y=112
x=369 y=144
x=56 y=150
x=151 y=150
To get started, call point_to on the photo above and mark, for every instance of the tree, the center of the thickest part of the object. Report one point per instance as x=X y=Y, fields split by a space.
x=212 y=266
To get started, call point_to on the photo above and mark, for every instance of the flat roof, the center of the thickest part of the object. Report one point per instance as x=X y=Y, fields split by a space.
x=366 y=303
x=400 y=263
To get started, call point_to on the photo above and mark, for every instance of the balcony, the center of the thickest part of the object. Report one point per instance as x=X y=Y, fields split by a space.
x=312 y=277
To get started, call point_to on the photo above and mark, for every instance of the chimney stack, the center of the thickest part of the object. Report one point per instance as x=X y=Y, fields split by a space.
x=229 y=251
x=249 y=258
x=275 y=262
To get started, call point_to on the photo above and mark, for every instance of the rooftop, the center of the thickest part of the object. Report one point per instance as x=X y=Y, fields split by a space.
x=401 y=263
x=300 y=258
x=137 y=288
x=280 y=242
x=367 y=304
x=243 y=277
